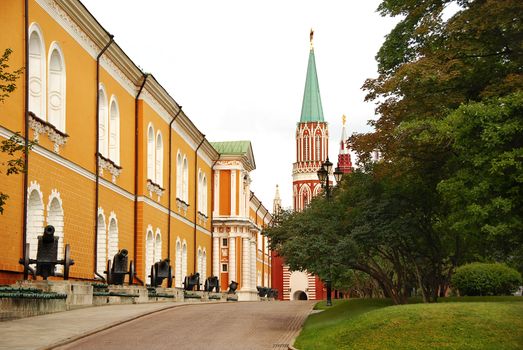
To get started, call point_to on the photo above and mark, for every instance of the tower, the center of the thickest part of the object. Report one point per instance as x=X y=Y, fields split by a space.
x=312 y=139
x=344 y=161
x=312 y=149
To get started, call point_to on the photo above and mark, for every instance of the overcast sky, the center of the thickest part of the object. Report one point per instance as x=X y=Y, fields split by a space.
x=238 y=67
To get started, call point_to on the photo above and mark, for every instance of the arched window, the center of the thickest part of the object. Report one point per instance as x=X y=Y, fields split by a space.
x=179 y=176
x=114 y=132
x=317 y=145
x=103 y=122
x=35 y=217
x=101 y=244
x=112 y=237
x=185 y=181
x=204 y=194
x=150 y=153
x=36 y=71
x=200 y=191
x=159 y=159
x=55 y=217
x=178 y=268
x=158 y=246
x=184 y=260
x=149 y=251
x=199 y=263
x=56 y=93
x=204 y=264
x=306 y=147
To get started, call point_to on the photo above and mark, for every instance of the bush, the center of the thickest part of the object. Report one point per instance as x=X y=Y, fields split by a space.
x=486 y=279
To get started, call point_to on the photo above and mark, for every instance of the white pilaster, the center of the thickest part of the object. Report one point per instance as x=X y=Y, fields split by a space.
x=232 y=259
x=216 y=192
x=216 y=256
x=233 y=193
x=254 y=271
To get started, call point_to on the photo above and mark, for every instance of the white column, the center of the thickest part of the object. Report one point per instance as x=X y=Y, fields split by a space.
x=246 y=264
x=216 y=192
x=216 y=256
x=233 y=193
x=232 y=259
x=254 y=272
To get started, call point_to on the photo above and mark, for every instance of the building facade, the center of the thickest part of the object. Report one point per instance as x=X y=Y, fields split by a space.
x=116 y=162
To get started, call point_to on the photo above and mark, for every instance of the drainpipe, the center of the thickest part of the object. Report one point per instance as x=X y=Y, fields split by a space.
x=212 y=217
x=263 y=251
x=97 y=174
x=196 y=199
x=170 y=185
x=136 y=129
x=26 y=127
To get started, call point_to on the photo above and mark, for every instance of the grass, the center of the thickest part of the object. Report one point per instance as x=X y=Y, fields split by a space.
x=454 y=323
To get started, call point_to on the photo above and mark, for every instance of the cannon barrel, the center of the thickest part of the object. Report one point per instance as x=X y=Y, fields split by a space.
x=123 y=253
x=48 y=235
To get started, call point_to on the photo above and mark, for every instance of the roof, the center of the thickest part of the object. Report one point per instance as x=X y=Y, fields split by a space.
x=240 y=150
x=311 y=108
x=232 y=147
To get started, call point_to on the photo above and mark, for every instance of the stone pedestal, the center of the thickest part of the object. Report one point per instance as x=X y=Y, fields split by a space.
x=79 y=294
x=139 y=294
x=247 y=295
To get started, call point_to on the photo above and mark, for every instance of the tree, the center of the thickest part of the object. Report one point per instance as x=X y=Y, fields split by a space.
x=13 y=146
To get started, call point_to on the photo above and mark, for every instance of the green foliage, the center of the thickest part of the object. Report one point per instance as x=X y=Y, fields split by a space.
x=477 y=323
x=13 y=146
x=7 y=79
x=486 y=279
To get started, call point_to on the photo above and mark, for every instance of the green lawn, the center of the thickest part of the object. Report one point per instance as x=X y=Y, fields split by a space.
x=454 y=323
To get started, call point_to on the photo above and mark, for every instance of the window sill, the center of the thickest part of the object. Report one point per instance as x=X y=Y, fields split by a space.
x=40 y=126
x=154 y=188
x=110 y=166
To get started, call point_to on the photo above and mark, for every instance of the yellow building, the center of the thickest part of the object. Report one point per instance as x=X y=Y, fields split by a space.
x=117 y=163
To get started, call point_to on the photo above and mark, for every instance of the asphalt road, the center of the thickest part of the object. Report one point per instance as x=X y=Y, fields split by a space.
x=244 y=325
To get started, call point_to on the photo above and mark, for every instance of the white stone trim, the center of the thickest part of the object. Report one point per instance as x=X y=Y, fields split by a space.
x=41 y=128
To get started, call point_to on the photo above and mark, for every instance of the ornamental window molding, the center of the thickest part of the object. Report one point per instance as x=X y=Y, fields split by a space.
x=40 y=126
x=202 y=218
x=182 y=206
x=107 y=164
x=155 y=188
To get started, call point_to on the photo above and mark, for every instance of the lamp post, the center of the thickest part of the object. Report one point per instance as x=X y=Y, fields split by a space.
x=323 y=176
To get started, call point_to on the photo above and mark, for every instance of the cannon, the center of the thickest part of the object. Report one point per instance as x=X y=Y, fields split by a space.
x=47 y=257
x=160 y=271
x=117 y=272
x=272 y=293
x=232 y=287
x=191 y=281
x=212 y=283
x=262 y=291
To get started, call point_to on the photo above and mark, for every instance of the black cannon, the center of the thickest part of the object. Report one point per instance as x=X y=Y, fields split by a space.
x=272 y=293
x=47 y=256
x=232 y=287
x=192 y=281
x=212 y=283
x=262 y=291
x=161 y=270
x=116 y=273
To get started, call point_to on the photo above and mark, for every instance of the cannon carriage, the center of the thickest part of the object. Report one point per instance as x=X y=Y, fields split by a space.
x=192 y=281
x=212 y=283
x=46 y=257
x=160 y=271
x=272 y=293
x=262 y=291
x=117 y=271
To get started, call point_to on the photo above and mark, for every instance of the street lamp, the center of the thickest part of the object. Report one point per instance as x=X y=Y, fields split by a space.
x=323 y=176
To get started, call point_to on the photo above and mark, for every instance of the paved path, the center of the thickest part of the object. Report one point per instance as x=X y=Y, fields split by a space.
x=243 y=325
x=249 y=325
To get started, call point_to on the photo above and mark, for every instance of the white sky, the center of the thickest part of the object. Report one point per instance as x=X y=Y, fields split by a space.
x=238 y=67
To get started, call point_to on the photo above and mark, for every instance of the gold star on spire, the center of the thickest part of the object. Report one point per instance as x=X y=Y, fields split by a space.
x=311 y=38
x=344 y=118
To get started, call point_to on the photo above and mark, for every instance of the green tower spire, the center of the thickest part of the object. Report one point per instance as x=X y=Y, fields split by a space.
x=311 y=109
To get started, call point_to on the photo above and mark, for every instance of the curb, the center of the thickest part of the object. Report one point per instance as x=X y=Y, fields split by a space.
x=114 y=324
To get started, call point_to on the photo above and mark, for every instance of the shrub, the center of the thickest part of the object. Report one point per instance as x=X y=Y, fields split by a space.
x=486 y=279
